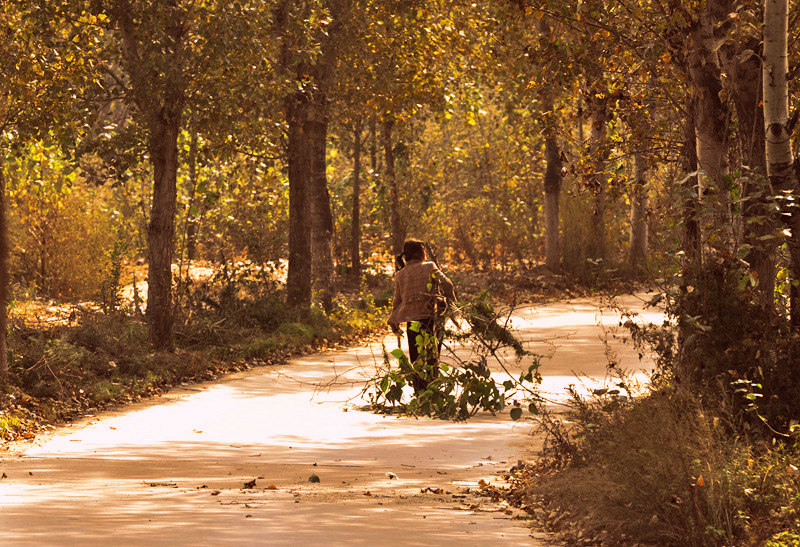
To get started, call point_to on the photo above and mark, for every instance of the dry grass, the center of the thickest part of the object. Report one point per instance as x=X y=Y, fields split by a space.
x=661 y=470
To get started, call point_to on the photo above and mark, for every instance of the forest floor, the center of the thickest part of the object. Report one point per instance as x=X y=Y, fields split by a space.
x=178 y=468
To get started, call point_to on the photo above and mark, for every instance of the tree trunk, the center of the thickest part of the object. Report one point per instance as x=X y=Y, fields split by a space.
x=320 y=204
x=3 y=282
x=164 y=130
x=373 y=148
x=398 y=229
x=639 y=235
x=552 y=193
x=355 y=227
x=597 y=182
x=298 y=280
x=192 y=218
x=691 y=225
x=781 y=166
x=711 y=121
x=163 y=112
x=759 y=220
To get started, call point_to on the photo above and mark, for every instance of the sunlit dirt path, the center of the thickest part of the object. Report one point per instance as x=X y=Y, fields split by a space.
x=173 y=470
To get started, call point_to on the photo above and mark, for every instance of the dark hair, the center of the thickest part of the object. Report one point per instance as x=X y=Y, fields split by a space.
x=412 y=249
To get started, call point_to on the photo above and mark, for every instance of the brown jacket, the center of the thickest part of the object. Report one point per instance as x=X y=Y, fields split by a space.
x=413 y=300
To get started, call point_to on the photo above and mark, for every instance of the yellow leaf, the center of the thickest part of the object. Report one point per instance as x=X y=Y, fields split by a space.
x=700 y=481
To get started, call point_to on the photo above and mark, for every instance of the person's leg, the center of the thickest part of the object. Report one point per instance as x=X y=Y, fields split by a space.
x=413 y=349
x=418 y=382
x=432 y=359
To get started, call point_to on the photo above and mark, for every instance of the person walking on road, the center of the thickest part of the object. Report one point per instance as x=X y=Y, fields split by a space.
x=421 y=294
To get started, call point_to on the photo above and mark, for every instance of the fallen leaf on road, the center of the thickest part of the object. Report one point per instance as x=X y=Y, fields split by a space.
x=215 y=493
x=272 y=487
x=313 y=478
x=431 y=490
x=250 y=484
x=368 y=493
x=391 y=475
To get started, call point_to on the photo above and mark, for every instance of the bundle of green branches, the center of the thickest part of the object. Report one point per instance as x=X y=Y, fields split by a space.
x=461 y=386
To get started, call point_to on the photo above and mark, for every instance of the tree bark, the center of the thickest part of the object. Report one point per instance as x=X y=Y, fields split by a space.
x=3 y=282
x=759 y=220
x=298 y=280
x=781 y=167
x=373 y=148
x=355 y=227
x=192 y=218
x=597 y=182
x=162 y=113
x=398 y=228
x=552 y=194
x=320 y=203
x=639 y=199
x=161 y=230
x=691 y=225
x=711 y=118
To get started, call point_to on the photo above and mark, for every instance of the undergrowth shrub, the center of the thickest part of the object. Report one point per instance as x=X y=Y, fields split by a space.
x=237 y=318
x=663 y=470
x=709 y=456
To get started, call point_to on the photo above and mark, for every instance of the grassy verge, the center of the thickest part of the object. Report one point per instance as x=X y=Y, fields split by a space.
x=660 y=469
x=98 y=359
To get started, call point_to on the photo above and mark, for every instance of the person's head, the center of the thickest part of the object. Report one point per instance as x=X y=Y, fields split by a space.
x=413 y=249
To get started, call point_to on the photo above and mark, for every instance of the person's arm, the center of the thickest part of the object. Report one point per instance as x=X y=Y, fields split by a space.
x=445 y=285
x=398 y=298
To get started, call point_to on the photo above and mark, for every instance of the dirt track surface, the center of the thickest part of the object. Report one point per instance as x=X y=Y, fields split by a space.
x=173 y=470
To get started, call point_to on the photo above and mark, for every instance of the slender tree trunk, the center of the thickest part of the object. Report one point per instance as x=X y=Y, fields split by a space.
x=355 y=227
x=161 y=230
x=298 y=281
x=711 y=120
x=599 y=153
x=320 y=202
x=639 y=235
x=163 y=112
x=552 y=194
x=759 y=220
x=781 y=167
x=192 y=217
x=398 y=229
x=373 y=148
x=691 y=225
x=3 y=281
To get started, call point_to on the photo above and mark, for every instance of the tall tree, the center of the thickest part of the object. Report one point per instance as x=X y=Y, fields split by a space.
x=781 y=166
x=161 y=59
x=355 y=227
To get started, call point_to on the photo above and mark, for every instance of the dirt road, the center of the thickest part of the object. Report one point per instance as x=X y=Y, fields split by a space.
x=173 y=470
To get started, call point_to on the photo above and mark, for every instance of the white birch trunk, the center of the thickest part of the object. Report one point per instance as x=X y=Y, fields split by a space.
x=780 y=161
